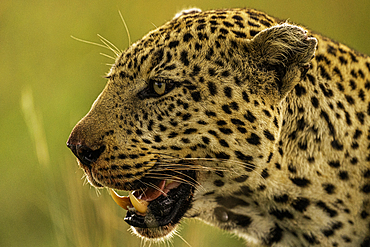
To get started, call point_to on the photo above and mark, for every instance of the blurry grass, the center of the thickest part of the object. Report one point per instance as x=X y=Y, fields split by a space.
x=34 y=124
x=72 y=216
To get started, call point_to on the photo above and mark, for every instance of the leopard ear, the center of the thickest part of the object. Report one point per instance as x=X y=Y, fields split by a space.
x=286 y=50
x=187 y=12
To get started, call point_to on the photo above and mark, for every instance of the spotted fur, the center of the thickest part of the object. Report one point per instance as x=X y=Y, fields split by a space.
x=279 y=140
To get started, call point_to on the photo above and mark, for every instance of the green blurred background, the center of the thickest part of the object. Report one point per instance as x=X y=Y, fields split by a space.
x=49 y=81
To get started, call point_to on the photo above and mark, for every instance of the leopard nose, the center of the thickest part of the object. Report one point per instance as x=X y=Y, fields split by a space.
x=86 y=155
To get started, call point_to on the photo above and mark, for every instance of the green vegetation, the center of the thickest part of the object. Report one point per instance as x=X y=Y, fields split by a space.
x=50 y=80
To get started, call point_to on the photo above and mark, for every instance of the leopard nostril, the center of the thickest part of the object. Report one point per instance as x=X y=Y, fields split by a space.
x=85 y=154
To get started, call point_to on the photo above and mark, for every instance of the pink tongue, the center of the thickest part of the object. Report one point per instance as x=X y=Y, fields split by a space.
x=151 y=194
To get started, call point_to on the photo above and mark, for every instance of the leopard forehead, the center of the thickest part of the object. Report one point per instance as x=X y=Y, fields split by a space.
x=188 y=35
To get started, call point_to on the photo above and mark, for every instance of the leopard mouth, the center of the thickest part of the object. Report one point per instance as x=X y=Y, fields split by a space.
x=155 y=211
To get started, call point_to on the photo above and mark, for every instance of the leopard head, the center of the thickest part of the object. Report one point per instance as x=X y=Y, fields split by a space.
x=190 y=109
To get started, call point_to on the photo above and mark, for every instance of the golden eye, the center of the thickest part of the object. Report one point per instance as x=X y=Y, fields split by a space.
x=159 y=87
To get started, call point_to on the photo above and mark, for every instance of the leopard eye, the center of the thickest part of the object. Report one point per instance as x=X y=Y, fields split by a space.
x=159 y=87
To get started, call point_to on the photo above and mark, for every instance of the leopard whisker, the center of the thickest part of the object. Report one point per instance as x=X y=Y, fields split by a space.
x=180 y=237
x=106 y=55
x=171 y=177
x=110 y=45
x=243 y=164
x=90 y=42
x=187 y=176
x=193 y=166
x=186 y=167
x=190 y=168
x=174 y=178
x=154 y=187
x=195 y=182
x=174 y=167
x=126 y=28
x=148 y=185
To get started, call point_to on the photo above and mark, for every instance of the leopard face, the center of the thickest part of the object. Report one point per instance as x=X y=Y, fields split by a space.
x=193 y=121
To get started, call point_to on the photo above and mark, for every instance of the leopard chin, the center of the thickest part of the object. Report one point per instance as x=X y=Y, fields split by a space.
x=159 y=233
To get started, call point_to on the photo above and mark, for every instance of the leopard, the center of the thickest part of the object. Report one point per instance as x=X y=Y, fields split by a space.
x=250 y=123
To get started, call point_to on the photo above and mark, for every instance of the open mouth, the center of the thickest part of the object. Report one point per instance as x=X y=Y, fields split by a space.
x=155 y=209
x=160 y=206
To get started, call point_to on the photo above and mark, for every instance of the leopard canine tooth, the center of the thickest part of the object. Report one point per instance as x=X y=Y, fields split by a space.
x=140 y=205
x=122 y=201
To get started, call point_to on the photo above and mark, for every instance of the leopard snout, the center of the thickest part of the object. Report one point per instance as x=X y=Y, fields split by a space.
x=83 y=152
x=86 y=155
